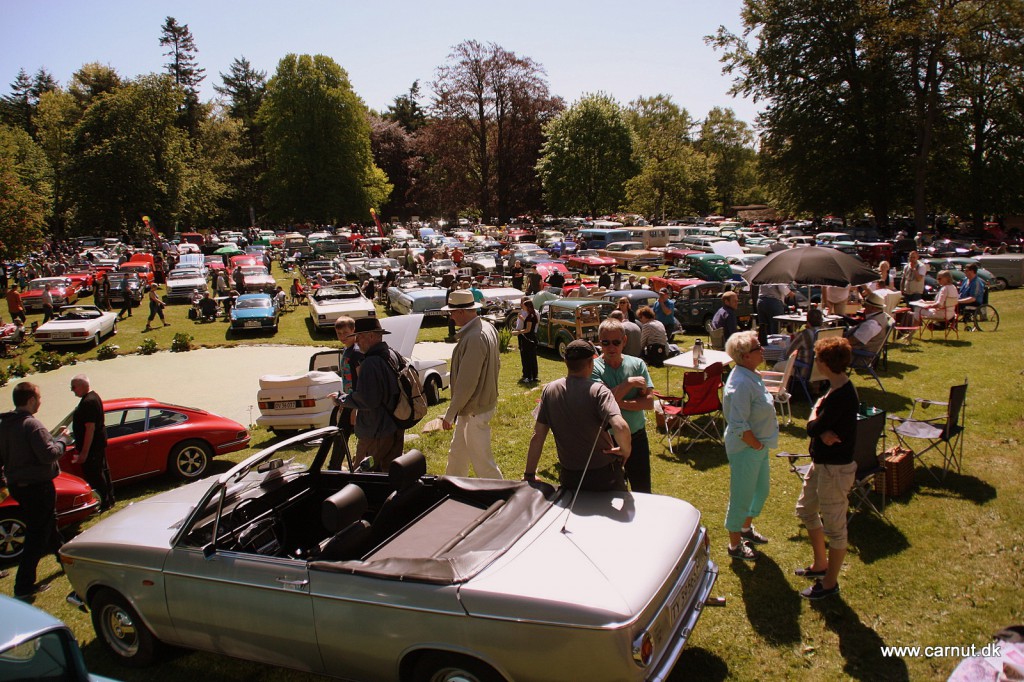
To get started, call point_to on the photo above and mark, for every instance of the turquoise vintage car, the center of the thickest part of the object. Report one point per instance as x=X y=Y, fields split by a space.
x=708 y=266
x=255 y=312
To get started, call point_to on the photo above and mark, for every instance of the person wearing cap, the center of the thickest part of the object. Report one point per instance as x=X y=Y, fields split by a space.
x=474 y=389
x=579 y=411
x=665 y=311
x=631 y=384
x=870 y=333
x=374 y=396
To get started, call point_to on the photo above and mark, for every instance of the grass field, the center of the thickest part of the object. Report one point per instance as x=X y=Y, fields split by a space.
x=944 y=568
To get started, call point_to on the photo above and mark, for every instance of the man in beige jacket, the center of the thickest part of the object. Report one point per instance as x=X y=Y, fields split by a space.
x=474 y=389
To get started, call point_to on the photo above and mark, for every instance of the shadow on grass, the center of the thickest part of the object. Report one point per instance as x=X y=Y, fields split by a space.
x=699 y=664
x=875 y=538
x=773 y=608
x=858 y=644
x=962 y=486
x=702 y=456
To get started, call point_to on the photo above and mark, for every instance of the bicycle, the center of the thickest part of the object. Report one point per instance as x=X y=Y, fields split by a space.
x=983 y=318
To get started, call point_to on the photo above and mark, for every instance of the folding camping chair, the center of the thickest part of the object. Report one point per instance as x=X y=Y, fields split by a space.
x=777 y=384
x=865 y=454
x=944 y=433
x=868 y=360
x=808 y=374
x=947 y=327
x=698 y=408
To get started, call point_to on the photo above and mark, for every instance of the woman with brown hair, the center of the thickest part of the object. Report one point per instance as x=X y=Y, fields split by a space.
x=823 y=501
x=527 y=333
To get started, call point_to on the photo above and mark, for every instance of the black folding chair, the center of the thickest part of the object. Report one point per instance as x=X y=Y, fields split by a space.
x=944 y=433
x=869 y=464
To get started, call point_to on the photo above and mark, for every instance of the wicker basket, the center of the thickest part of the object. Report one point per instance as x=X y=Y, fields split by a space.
x=899 y=472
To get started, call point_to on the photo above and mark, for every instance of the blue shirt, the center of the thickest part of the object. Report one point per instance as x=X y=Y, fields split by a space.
x=973 y=289
x=669 y=319
x=612 y=377
x=748 y=406
x=477 y=294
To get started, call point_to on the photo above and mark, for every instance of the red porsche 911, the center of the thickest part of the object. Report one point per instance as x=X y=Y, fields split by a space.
x=146 y=437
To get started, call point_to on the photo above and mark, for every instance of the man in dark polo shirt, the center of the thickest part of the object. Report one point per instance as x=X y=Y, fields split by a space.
x=90 y=433
x=578 y=411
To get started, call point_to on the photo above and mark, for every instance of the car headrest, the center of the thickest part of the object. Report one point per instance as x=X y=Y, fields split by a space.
x=407 y=469
x=343 y=508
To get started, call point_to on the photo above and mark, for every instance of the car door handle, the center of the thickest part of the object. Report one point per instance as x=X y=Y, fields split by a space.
x=142 y=442
x=292 y=584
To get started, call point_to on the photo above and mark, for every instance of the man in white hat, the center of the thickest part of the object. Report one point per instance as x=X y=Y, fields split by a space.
x=869 y=335
x=474 y=389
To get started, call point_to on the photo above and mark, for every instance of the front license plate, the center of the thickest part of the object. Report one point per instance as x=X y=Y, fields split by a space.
x=252 y=323
x=286 y=405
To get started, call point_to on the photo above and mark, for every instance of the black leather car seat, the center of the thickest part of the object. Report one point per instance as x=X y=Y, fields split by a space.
x=342 y=516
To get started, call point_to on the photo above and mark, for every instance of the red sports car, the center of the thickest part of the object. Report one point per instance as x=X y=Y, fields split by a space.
x=146 y=437
x=588 y=261
x=84 y=279
x=75 y=502
x=675 y=279
x=677 y=254
x=63 y=290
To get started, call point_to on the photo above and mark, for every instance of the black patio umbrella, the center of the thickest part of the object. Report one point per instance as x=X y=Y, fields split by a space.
x=810 y=265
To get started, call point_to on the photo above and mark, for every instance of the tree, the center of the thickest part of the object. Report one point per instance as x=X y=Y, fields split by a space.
x=245 y=88
x=587 y=157
x=57 y=116
x=406 y=110
x=394 y=152
x=91 y=81
x=729 y=145
x=184 y=69
x=490 y=105
x=19 y=108
x=319 y=164
x=24 y=193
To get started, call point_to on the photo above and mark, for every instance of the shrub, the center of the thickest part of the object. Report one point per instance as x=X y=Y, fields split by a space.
x=47 y=361
x=182 y=343
x=4 y=376
x=18 y=370
x=504 y=339
x=148 y=347
x=106 y=352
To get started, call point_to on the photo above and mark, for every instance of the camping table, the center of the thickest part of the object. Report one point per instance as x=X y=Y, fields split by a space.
x=792 y=320
x=685 y=360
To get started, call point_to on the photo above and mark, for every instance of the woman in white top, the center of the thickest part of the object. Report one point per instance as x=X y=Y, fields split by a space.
x=944 y=305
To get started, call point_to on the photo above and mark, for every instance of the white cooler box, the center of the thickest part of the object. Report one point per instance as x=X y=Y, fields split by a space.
x=297 y=402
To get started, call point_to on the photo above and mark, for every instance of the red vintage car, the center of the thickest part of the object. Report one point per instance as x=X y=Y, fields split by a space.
x=84 y=279
x=63 y=290
x=675 y=279
x=143 y=270
x=242 y=260
x=589 y=260
x=75 y=503
x=214 y=263
x=674 y=255
x=146 y=437
x=874 y=253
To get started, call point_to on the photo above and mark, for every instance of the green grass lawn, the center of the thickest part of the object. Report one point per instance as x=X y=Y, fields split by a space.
x=944 y=569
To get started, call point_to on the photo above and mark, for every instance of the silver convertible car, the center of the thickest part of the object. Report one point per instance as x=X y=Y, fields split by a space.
x=401 y=576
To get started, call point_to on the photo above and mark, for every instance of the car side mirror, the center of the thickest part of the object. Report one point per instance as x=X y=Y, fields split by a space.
x=209 y=550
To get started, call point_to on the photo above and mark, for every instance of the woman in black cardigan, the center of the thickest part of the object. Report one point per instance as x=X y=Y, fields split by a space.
x=823 y=501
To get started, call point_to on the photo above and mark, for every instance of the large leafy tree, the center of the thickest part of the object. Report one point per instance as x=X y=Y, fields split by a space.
x=587 y=157
x=130 y=158
x=244 y=88
x=490 y=105
x=319 y=164
x=91 y=81
x=729 y=145
x=394 y=152
x=183 y=67
x=24 y=192
x=57 y=116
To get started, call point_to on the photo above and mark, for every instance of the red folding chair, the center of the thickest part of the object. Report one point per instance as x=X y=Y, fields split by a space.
x=698 y=409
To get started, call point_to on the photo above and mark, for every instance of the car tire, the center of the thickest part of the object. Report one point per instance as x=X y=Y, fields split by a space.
x=432 y=390
x=998 y=284
x=121 y=630
x=96 y=340
x=12 y=535
x=449 y=667
x=189 y=459
x=563 y=346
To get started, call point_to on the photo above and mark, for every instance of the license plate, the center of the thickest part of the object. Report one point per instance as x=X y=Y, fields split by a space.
x=252 y=323
x=60 y=335
x=286 y=405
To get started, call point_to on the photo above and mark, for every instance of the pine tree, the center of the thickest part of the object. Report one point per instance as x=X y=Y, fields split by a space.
x=184 y=68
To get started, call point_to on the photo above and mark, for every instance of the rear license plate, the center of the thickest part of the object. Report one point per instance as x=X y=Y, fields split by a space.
x=252 y=323
x=286 y=405
x=60 y=335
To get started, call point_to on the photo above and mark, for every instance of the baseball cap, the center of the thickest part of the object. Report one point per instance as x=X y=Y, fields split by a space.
x=580 y=350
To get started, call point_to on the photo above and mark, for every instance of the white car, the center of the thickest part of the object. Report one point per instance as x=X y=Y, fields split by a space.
x=181 y=282
x=77 y=324
x=331 y=301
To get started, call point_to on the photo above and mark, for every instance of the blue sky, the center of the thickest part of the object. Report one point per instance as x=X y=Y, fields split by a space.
x=628 y=48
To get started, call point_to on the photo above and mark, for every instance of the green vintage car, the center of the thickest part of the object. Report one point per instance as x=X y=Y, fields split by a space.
x=696 y=304
x=708 y=266
x=564 y=320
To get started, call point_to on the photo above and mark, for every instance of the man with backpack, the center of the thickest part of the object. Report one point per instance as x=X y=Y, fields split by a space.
x=375 y=396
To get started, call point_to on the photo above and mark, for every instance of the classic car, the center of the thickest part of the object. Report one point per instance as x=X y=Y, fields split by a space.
x=482 y=262
x=255 y=312
x=874 y=253
x=548 y=268
x=330 y=301
x=135 y=292
x=528 y=255
x=243 y=260
x=376 y=267
x=214 y=263
x=330 y=269
x=397 y=576
x=759 y=245
x=83 y=278
x=257 y=279
x=589 y=260
x=740 y=264
x=146 y=437
x=562 y=321
x=631 y=255
x=708 y=266
x=36 y=646
x=673 y=278
x=411 y=295
x=75 y=503
x=636 y=297
x=62 y=289
x=674 y=255
x=182 y=282
x=440 y=267
x=697 y=304
x=77 y=324
x=143 y=270
x=956 y=269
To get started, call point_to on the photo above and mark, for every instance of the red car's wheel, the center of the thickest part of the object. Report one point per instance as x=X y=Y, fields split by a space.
x=188 y=460
x=12 y=535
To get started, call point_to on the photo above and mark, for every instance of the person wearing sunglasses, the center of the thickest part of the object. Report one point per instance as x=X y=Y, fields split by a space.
x=751 y=429
x=631 y=384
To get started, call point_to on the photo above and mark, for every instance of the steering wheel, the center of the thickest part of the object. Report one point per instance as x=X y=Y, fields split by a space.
x=248 y=537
